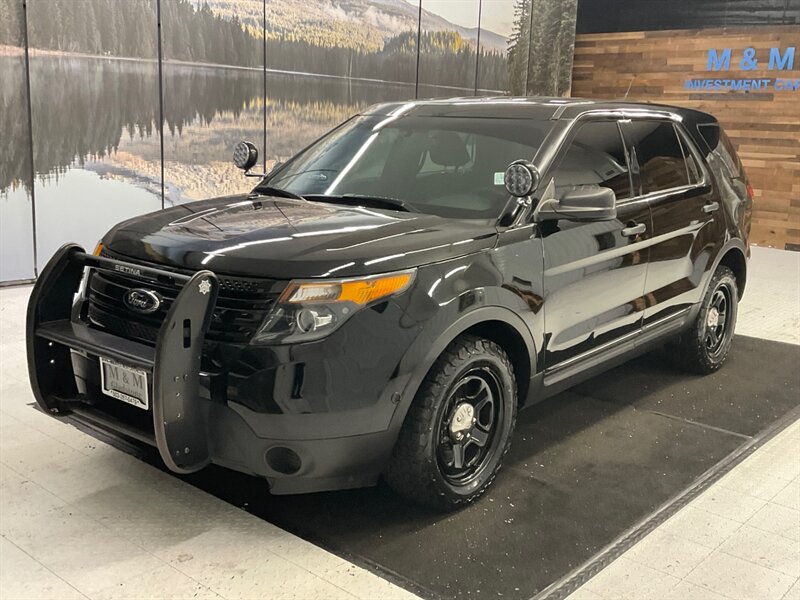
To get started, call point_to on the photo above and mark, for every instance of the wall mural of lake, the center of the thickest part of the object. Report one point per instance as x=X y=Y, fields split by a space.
x=99 y=129
x=16 y=203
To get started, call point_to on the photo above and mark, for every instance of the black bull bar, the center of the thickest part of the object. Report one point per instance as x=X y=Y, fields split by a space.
x=172 y=366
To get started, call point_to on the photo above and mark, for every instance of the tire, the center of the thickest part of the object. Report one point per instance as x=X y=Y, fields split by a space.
x=703 y=348
x=426 y=465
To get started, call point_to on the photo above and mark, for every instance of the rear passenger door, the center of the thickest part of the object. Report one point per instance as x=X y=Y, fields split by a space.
x=668 y=173
x=594 y=272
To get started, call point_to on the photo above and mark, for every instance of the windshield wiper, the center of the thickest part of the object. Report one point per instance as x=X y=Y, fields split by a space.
x=275 y=191
x=359 y=199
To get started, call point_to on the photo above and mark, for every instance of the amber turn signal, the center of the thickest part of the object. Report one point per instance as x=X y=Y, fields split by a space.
x=358 y=291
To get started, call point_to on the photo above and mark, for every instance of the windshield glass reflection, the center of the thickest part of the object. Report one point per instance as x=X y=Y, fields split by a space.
x=449 y=166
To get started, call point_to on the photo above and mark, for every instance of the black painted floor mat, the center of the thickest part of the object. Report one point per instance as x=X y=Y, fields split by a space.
x=584 y=467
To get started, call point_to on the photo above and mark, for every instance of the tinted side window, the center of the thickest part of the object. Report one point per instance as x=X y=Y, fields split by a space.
x=691 y=162
x=658 y=152
x=728 y=152
x=720 y=144
x=596 y=157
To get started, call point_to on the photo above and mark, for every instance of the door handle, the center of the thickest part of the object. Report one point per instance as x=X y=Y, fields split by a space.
x=634 y=230
x=710 y=207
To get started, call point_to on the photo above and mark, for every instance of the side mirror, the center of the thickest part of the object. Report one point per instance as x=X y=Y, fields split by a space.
x=245 y=156
x=586 y=203
x=521 y=178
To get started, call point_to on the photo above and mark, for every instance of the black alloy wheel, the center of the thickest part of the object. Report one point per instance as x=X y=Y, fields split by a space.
x=467 y=426
x=704 y=347
x=717 y=319
x=459 y=426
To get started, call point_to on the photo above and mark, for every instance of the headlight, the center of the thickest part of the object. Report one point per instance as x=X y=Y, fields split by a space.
x=311 y=309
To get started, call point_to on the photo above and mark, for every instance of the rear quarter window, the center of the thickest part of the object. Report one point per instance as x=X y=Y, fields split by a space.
x=721 y=146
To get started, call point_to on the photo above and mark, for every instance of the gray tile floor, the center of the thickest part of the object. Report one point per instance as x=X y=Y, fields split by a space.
x=79 y=519
x=740 y=539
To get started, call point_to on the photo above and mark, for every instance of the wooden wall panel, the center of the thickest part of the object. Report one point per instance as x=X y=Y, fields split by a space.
x=765 y=126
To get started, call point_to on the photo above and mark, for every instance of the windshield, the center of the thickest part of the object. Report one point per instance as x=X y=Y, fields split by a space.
x=449 y=166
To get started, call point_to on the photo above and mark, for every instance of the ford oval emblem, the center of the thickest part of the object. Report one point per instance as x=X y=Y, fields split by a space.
x=142 y=301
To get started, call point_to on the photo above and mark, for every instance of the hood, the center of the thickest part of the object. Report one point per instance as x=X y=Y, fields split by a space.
x=264 y=236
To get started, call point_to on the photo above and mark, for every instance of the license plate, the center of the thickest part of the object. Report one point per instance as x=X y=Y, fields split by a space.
x=124 y=383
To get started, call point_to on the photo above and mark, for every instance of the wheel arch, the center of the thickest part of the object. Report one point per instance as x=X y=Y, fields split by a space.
x=734 y=255
x=512 y=342
x=499 y=324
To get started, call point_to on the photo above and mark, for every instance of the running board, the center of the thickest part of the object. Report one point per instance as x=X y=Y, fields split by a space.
x=620 y=348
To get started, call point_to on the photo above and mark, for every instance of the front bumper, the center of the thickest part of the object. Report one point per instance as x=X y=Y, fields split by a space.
x=188 y=429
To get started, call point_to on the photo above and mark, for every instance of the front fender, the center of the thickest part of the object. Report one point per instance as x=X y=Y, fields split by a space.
x=430 y=344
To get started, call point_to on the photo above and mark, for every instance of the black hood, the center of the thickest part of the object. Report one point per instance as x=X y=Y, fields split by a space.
x=282 y=238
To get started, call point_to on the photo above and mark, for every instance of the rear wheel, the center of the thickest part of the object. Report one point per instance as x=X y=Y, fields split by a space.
x=459 y=426
x=704 y=347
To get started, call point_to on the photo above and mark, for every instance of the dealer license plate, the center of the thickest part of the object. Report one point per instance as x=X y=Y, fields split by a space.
x=124 y=383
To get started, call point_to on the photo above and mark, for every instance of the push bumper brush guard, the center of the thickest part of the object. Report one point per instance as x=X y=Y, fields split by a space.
x=172 y=366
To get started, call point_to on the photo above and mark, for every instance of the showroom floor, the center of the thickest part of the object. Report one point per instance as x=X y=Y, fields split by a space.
x=79 y=518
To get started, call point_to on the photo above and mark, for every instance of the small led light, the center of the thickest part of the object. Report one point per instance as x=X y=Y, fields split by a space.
x=245 y=155
x=520 y=178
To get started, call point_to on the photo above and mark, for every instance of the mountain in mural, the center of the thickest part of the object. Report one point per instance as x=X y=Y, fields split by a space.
x=360 y=24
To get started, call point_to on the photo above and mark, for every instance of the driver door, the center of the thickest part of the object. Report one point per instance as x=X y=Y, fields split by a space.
x=595 y=272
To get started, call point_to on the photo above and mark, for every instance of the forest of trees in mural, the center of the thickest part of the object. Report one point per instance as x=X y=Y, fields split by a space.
x=128 y=30
x=446 y=53
x=195 y=33
x=15 y=165
x=541 y=47
x=538 y=61
x=11 y=29
x=69 y=133
x=94 y=26
x=103 y=111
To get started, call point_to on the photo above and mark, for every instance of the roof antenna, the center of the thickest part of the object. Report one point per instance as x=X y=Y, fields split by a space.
x=628 y=91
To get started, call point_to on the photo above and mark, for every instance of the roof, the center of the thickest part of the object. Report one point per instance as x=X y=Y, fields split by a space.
x=529 y=107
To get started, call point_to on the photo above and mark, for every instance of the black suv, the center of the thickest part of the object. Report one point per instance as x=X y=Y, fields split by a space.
x=384 y=302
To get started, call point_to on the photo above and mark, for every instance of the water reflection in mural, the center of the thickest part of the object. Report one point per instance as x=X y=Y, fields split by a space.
x=95 y=94
x=16 y=204
x=89 y=112
x=198 y=146
x=210 y=109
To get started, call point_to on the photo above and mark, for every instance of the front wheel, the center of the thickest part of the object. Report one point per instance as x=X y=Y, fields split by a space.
x=704 y=347
x=459 y=426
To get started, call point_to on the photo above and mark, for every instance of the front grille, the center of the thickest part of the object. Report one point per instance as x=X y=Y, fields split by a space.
x=242 y=305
